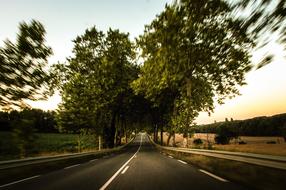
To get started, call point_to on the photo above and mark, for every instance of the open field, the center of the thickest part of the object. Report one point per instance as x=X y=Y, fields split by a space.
x=253 y=144
x=47 y=144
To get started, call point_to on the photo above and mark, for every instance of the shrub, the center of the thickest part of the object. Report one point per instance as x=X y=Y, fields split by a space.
x=271 y=142
x=241 y=142
x=198 y=141
x=222 y=139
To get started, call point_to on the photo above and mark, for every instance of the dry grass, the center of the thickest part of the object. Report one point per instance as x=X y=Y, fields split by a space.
x=273 y=149
x=254 y=144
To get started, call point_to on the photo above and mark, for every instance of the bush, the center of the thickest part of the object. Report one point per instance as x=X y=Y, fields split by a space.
x=241 y=142
x=198 y=141
x=271 y=142
x=222 y=139
x=24 y=136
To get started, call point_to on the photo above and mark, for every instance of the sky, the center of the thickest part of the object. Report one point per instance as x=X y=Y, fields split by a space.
x=264 y=94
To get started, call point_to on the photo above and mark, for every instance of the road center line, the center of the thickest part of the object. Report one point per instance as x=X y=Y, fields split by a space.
x=118 y=171
x=12 y=183
x=214 y=176
x=71 y=166
x=182 y=162
x=126 y=168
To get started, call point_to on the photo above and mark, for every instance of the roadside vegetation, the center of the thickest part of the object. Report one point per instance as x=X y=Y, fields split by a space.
x=194 y=54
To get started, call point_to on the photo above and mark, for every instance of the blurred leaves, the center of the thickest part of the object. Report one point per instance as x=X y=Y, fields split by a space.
x=262 y=19
x=22 y=66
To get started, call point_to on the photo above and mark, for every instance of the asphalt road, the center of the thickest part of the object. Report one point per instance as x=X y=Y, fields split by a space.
x=141 y=166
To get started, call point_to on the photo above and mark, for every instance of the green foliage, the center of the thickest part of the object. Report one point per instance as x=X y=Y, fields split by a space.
x=46 y=143
x=24 y=137
x=198 y=141
x=22 y=66
x=225 y=134
x=94 y=84
x=44 y=121
x=194 y=55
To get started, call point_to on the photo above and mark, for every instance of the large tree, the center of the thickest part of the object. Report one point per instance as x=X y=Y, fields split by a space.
x=195 y=54
x=95 y=83
x=22 y=66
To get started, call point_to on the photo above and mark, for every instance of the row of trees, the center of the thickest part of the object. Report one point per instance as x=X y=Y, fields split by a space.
x=95 y=89
x=259 y=126
x=193 y=54
x=41 y=121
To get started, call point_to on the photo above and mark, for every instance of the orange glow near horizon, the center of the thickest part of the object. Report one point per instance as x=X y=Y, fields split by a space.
x=264 y=95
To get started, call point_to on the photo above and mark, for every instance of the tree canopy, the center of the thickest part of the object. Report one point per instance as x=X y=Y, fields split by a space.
x=95 y=86
x=195 y=54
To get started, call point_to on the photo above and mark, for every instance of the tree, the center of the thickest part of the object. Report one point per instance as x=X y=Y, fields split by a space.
x=195 y=51
x=95 y=84
x=22 y=66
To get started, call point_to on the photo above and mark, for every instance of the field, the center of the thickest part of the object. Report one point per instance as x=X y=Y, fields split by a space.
x=47 y=144
x=253 y=144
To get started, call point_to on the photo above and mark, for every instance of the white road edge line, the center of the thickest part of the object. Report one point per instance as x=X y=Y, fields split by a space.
x=12 y=183
x=126 y=168
x=214 y=176
x=118 y=171
x=71 y=166
x=182 y=162
x=93 y=160
x=170 y=156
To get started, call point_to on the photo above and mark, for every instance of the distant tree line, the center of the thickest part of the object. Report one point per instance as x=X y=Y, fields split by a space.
x=40 y=121
x=258 y=126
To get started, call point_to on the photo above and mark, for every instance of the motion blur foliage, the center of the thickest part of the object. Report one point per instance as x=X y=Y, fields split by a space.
x=264 y=22
x=22 y=66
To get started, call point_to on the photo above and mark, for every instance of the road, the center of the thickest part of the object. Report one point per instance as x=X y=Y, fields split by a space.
x=141 y=166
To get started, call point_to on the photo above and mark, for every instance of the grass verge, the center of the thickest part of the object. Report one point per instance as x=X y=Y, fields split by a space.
x=253 y=176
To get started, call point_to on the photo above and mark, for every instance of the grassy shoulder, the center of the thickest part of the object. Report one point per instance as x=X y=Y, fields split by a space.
x=47 y=144
x=252 y=176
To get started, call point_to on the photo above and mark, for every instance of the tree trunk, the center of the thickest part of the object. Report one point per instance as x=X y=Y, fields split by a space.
x=155 y=134
x=161 y=135
x=99 y=143
x=169 y=137
x=115 y=137
x=174 y=139
x=110 y=132
x=79 y=143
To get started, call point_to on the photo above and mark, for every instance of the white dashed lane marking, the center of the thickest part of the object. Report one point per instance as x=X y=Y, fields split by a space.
x=182 y=162
x=71 y=166
x=12 y=183
x=214 y=176
x=125 y=169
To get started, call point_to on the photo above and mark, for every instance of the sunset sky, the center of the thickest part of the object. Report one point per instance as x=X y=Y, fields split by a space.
x=264 y=94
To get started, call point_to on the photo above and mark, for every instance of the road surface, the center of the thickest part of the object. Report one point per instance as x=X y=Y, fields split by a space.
x=141 y=166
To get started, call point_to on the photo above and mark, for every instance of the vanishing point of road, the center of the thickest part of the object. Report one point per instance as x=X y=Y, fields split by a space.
x=140 y=166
